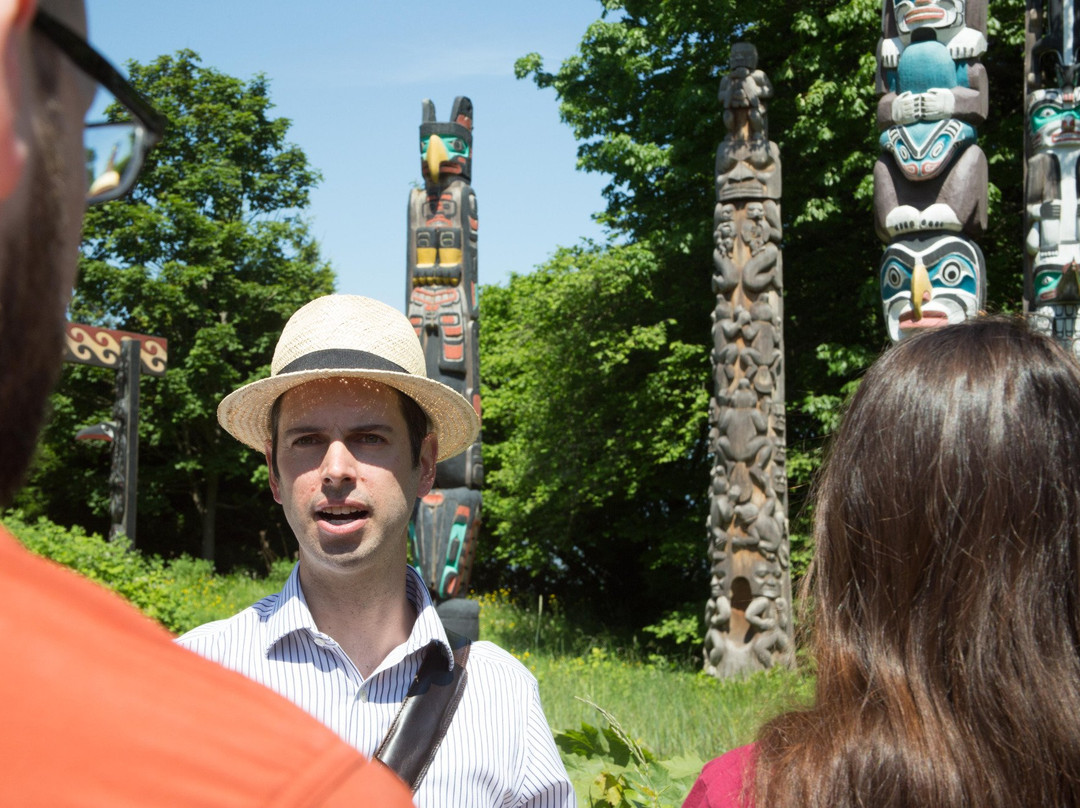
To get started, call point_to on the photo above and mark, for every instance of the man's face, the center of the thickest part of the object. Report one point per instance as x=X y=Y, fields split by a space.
x=347 y=481
x=40 y=224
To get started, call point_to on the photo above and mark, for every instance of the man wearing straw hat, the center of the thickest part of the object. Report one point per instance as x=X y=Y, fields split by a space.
x=352 y=427
x=100 y=706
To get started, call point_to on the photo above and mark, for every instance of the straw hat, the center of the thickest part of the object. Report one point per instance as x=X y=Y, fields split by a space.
x=348 y=336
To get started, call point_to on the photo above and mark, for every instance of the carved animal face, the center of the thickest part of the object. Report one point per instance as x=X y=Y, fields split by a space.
x=912 y=15
x=444 y=154
x=924 y=150
x=1053 y=120
x=930 y=281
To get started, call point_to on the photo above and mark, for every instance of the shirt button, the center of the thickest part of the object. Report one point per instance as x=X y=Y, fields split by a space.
x=362 y=695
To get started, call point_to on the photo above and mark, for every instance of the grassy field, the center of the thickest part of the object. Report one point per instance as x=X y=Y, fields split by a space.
x=671 y=709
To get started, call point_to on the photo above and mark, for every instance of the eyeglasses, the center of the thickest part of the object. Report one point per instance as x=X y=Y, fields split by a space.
x=115 y=149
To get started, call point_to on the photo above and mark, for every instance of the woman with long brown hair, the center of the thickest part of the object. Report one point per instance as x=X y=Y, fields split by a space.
x=945 y=589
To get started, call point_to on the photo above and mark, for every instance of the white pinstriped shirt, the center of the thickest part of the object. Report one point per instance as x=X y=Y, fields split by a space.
x=498 y=750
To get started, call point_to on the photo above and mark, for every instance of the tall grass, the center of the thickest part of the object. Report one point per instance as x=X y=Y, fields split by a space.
x=671 y=708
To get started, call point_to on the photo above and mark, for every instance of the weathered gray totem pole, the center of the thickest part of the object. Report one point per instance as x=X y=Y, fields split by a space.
x=748 y=615
x=930 y=181
x=1052 y=146
x=441 y=293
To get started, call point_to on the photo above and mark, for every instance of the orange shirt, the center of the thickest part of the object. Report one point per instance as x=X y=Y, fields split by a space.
x=100 y=707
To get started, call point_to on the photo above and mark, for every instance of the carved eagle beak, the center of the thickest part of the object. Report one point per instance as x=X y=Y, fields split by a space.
x=921 y=290
x=436 y=155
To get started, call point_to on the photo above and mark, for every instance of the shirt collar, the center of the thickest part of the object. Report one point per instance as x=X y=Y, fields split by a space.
x=428 y=626
x=291 y=614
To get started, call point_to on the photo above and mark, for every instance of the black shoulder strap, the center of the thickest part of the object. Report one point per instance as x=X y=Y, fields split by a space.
x=421 y=723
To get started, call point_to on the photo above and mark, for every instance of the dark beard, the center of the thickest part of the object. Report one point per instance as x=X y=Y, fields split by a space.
x=31 y=322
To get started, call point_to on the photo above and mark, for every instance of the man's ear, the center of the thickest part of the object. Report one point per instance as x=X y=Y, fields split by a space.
x=429 y=450
x=15 y=19
x=273 y=478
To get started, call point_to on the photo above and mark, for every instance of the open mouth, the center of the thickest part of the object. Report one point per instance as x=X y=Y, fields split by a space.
x=340 y=515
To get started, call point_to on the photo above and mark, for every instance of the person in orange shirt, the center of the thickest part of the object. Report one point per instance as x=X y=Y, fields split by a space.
x=100 y=706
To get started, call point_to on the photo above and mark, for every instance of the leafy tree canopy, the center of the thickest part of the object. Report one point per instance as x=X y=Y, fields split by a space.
x=592 y=417
x=212 y=253
x=640 y=95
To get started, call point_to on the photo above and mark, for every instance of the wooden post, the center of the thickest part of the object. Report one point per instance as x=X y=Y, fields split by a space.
x=129 y=355
x=748 y=615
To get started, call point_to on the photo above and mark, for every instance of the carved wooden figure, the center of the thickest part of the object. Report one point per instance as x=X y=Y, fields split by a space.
x=747 y=616
x=930 y=181
x=1052 y=149
x=441 y=293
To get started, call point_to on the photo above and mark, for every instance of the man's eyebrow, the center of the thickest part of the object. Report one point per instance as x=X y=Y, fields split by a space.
x=308 y=429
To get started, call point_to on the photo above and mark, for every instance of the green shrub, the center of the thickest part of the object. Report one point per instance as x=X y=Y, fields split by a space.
x=609 y=768
x=143 y=581
x=180 y=594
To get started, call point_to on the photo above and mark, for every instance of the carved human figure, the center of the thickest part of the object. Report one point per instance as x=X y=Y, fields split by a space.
x=765 y=585
x=761 y=355
x=959 y=25
x=747 y=162
x=728 y=322
x=744 y=427
x=1053 y=241
x=767 y=531
x=931 y=280
x=726 y=274
x=931 y=174
x=773 y=637
x=745 y=87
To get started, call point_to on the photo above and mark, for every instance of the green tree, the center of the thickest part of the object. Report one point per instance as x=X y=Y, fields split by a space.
x=593 y=413
x=212 y=253
x=641 y=98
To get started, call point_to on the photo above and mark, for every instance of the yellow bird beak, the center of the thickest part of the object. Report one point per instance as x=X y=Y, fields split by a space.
x=921 y=290
x=436 y=155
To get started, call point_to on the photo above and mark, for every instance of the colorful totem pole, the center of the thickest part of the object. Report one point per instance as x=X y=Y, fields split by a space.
x=748 y=615
x=441 y=293
x=930 y=181
x=1052 y=146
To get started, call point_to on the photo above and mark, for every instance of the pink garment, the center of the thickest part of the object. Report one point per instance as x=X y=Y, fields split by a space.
x=724 y=780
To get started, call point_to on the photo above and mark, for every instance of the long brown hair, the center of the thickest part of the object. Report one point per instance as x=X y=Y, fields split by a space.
x=945 y=585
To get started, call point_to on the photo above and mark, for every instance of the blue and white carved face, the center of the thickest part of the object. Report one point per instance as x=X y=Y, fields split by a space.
x=930 y=281
x=912 y=15
x=1053 y=120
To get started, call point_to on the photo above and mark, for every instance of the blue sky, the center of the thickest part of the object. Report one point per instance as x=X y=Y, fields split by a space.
x=351 y=76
